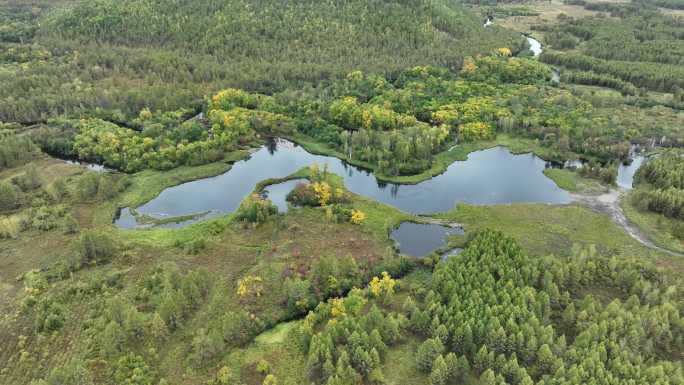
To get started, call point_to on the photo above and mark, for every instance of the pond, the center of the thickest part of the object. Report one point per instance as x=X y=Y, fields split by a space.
x=492 y=176
x=277 y=193
x=420 y=239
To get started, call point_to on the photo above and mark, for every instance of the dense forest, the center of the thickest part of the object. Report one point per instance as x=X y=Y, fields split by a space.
x=106 y=104
x=393 y=126
x=661 y=188
x=642 y=48
x=113 y=58
x=492 y=313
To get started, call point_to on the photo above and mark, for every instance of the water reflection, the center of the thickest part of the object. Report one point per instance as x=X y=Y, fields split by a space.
x=277 y=193
x=625 y=178
x=492 y=176
x=420 y=239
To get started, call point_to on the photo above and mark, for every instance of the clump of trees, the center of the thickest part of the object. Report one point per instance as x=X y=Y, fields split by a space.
x=605 y=173
x=255 y=209
x=350 y=349
x=16 y=150
x=512 y=320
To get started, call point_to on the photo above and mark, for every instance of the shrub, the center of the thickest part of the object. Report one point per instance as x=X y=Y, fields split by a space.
x=357 y=217
x=195 y=246
x=15 y=151
x=239 y=327
x=338 y=213
x=72 y=373
x=70 y=224
x=29 y=180
x=10 y=227
x=132 y=369
x=106 y=188
x=95 y=247
x=88 y=186
x=206 y=345
x=9 y=196
x=300 y=298
x=607 y=174
x=255 y=209
x=476 y=131
x=50 y=315
x=302 y=195
x=250 y=287
x=678 y=230
x=46 y=218
x=57 y=190
x=263 y=367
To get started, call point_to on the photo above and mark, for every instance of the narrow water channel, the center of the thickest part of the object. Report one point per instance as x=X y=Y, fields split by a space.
x=625 y=177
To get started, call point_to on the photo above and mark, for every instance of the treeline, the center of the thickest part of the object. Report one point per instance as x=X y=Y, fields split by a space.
x=671 y=4
x=394 y=125
x=642 y=47
x=657 y=77
x=604 y=80
x=124 y=56
x=661 y=185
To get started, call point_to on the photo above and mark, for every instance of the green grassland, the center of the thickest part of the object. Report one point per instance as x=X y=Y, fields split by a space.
x=656 y=226
x=548 y=229
x=571 y=181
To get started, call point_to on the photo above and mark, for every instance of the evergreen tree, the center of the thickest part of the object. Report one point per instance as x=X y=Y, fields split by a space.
x=427 y=353
x=439 y=373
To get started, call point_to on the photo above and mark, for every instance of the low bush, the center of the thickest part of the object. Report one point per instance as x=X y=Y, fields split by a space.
x=95 y=247
x=9 y=196
x=10 y=227
x=255 y=209
x=29 y=180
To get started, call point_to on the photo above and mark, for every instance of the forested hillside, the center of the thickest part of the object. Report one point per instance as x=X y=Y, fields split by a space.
x=121 y=56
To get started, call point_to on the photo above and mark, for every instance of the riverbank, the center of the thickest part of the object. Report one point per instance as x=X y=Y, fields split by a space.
x=560 y=230
x=442 y=160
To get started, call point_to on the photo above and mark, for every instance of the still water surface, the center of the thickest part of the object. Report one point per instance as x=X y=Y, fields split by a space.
x=420 y=239
x=492 y=176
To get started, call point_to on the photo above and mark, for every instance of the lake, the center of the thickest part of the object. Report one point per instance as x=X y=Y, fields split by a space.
x=492 y=176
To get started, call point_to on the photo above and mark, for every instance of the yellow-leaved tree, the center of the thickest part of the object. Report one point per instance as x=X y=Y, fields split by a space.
x=383 y=287
x=250 y=287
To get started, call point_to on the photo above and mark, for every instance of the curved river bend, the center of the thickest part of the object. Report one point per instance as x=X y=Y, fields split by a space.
x=493 y=176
